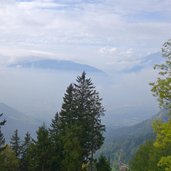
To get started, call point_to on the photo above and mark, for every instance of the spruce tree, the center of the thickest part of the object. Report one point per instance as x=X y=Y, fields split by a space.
x=56 y=144
x=103 y=164
x=54 y=126
x=72 y=150
x=2 y=122
x=82 y=109
x=89 y=110
x=16 y=144
x=2 y=139
x=40 y=151
x=24 y=152
x=68 y=112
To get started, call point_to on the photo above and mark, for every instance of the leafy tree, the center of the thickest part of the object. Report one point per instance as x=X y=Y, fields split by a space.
x=163 y=142
x=162 y=89
x=146 y=158
x=165 y=162
x=16 y=144
x=157 y=155
x=8 y=160
x=103 y=164
x=162 y=86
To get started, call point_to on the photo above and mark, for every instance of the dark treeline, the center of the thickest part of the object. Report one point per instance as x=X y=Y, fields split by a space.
x=69 y=144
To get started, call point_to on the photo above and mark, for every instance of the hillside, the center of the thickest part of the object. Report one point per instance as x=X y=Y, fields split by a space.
x=147 y=62
x=125 y=141
x=17 y=120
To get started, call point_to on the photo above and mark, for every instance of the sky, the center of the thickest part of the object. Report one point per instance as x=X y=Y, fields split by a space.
x=115 y=36
x=108 y=34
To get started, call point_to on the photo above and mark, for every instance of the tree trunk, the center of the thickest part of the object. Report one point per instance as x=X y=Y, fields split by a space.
x=91 y=161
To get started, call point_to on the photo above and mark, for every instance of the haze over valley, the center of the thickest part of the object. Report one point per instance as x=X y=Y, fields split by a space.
x=36 y=88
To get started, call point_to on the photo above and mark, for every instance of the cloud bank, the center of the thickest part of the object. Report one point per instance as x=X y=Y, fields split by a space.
x=88 y=31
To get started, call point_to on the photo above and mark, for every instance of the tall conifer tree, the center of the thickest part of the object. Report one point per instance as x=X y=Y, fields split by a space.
x=56 y=144
x=89 y=110
x=41 y=149
x=2 y=139
x=68 y=112
x=16 y=144
x=24 y=152
x=82 y=109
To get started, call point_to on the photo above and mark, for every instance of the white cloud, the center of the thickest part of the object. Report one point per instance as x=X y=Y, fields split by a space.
x=83 y=27
x=120 y=59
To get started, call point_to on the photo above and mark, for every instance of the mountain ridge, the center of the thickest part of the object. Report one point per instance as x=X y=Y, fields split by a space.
x=128 y=139
x=17 y=120
x=54 y=64
x=147 y=62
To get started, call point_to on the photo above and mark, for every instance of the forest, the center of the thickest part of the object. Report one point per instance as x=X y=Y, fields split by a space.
x=76 y=134
x=69 y=144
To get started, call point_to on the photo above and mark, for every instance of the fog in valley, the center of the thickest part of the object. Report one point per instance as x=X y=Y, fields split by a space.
x=39 y=93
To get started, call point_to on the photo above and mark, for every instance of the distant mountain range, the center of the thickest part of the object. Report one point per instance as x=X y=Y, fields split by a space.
x=147 y=62
x=51 y=64
x=17 y=120
x=66 y=65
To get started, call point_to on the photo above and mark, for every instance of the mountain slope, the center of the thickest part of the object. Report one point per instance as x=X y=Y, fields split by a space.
x=55 y=65
x=125 y=141
x=17 y=120
x=147 y=62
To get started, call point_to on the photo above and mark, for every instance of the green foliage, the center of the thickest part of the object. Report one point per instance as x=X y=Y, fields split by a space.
x=165 y=162
x=8 y=160
x=2 y=139
x=56 y=145
x=124 y=142
x=103 y=164
x=54 y=127
x=68 y=114
x=163 y=142
x=24 y=163
x=82 y=110
x=40 y=151
x=72 y=149
x=89 y=111
x=16 y=144
x=146 y=158
x=161 y=88
x=2 y=122
x=75 y=134
x=163 y=134
x=157 y=155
